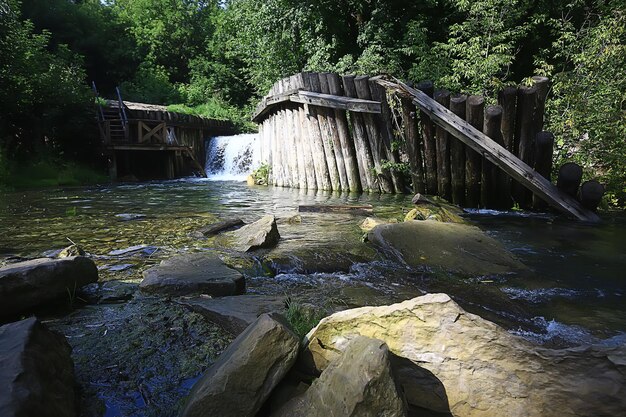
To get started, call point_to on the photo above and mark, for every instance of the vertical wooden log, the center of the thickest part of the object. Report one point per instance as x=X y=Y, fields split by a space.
x=280 y=157
x=299 y=133
x=361 y=143
x=474 y=116
x=374 y=136
x=385 y=125
x=444 y=185
x=525 y=138
x=494 y=188
x=326 y=136
x=569 y=178
x=457 y=153
x=413 y=145
x=507 y=98
x=322 y=174
x=428 y=140
x=346 y=141
x=334 y=136
x=591 y=193
x=544 y=148
x=307 y=148
x=542 y=84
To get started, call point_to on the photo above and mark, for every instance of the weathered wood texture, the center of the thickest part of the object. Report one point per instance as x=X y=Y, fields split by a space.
x=444 y=182
x=496 y=154
x=544 y=149
x=413 y=145
x=474 y=115
x=525 y=138
x=457 y=154
x=494 y=190
x=428 y=139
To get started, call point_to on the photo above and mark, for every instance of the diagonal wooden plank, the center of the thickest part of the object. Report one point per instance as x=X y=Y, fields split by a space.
x=495 y=153
x=337 y=102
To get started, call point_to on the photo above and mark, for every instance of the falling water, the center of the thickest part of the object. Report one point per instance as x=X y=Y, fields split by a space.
x=232 y=158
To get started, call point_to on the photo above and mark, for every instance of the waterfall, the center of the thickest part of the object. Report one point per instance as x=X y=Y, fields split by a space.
x=232 y=158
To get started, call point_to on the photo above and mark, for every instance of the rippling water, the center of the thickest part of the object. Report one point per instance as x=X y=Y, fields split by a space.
x=575 y=295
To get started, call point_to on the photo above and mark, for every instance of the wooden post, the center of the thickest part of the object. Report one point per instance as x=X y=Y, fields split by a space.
x=444 y=186
x=494 y=183
x=322 y=174
x=334 y=136
x=385 y=125
x=413 y=145
x=507 y=98
x=544 y=148
x=457 y=154
x=525 y=138
x=542 y=84
x=299 y=135
x=361 y=142
x=591 y=193
x=346 y=142
x=326 y=135
x=428 y=135
x=361 y=84
x=569 y=178
x=113 y=166
x=475 y=117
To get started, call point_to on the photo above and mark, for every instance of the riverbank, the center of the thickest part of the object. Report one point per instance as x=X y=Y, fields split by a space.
x=49 y=174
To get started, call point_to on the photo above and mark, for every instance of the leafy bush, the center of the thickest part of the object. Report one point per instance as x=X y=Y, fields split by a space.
x=215 y=108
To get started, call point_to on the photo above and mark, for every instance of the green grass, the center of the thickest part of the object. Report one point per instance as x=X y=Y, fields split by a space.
x=215 y=108
x=46 y=174
x=302 y=318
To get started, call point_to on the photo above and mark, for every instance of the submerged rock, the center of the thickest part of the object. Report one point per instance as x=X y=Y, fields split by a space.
x=243 y=377
x=36 y=372
x=72 y=250
x=216 y=228
x=359 y=383
x=371 y=222
x=234 y=314
x=447 y=246
x=196 y=273
x=261 y=234
x=25 y=286
x=451 y=361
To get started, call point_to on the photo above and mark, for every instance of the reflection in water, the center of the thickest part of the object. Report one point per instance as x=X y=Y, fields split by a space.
x=578 y=282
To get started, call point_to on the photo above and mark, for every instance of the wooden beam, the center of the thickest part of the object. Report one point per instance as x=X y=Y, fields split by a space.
x=337 y=102
x=495 y=153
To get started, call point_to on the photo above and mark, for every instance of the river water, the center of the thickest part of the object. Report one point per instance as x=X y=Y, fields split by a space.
x=574 y=295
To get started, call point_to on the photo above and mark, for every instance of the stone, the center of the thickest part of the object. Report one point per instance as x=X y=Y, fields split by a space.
x=371 y=222
x=72 y=250
x=234 y=314
x=25 y=286
x=440 y=214
x=451 y=361
x=36 y=372
x=359 y=383
x=261 y=234
x=450 y=247
x=419 y=199
x=195 y=273
x=219 y=227
x=109 y=292
x=245 y=374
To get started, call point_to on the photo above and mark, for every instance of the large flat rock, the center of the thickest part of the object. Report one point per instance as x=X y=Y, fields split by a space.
x=446 y=246
x=243 y=377
x=235 y=313
x=25 y=286
x=196 y=273
x=359 y=383
x=36 y=372
x=451 y=361
x=261 y=234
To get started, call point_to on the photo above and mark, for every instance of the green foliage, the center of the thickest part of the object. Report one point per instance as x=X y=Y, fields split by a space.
x=215 y=108
x=302 y=318
x=261 y=175
x=50 y=173
x=151 y=84
x=586 y=110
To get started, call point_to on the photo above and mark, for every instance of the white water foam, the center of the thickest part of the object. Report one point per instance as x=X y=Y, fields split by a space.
x=232 y=158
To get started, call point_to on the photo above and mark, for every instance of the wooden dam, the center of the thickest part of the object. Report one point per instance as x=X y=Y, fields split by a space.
x=147 y=141
x=322 y=131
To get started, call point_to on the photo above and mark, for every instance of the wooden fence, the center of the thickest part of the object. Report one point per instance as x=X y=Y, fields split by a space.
x=359 y=133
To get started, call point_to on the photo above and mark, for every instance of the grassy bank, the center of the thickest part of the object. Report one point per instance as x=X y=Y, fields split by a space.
x=215 y=108
x=47 y=173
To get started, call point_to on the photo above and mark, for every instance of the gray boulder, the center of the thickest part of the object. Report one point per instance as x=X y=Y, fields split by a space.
x=27 y=285
x=196 y=273
x=446 y=246
x=235 y=314
x=451 y=361
x=216 y=228
x=36 y=372
x=243 y=377
x=359 y=383
x=261 y=234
